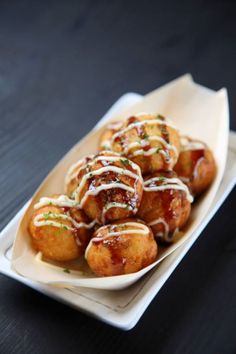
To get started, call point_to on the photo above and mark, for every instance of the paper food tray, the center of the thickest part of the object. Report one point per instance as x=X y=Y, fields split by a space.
x=121 y=308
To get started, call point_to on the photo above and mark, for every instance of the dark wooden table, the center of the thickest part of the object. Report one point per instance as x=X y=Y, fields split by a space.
x=62 y=64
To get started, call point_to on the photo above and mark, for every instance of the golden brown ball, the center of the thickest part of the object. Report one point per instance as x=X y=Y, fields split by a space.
x=196 y=165
x=124 y=247
x=60 y=232
x=148 y=140
x=166 y=204
x=109 y=187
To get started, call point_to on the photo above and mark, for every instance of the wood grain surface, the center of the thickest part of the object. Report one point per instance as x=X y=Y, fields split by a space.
x=62 y=64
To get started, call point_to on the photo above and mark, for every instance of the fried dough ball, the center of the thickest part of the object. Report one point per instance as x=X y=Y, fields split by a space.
x=166 y=204
x=148 y=140
x=126 y=246
x=109 y=187
x=111 y=128
x=196 y=165
x=61 y=233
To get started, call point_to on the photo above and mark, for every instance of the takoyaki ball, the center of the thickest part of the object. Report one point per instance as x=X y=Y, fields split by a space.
x=60 y=232
x=105 y=140
x=71 y=179
x=196 y=165
x=148 y=140
x=166 y=204
x=109 y=187
x=126 y=246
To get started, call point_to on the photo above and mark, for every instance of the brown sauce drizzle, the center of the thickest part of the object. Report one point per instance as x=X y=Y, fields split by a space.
x=166 y=198
x=118 y=262
x=65 y=209
x=122 y=139
x=141 y=133
x=114 y=194
x=114 y=246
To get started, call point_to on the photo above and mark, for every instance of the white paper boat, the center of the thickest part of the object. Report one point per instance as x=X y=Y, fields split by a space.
x=196 y=111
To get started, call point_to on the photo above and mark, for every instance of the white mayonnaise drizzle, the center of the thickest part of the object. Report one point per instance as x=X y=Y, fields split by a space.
x=69 y=176
x=164 y=234
x=105 y=187
x=108 y=160
x=61 y=201
x=42 y=220
x=115 y=205
x=167 y=183
x=101 y=170
x=194 y=174
x=195 y=171
x=164 y=223
x=39 y=221
x=188 y=144
x=191 y=145
x=140 y=123
x=116 y=158
x=106 y=144
x=150 y=152
x=145 y=142
x=138 y=228
x=108 y=168
x=184 y=179
x=73 y=171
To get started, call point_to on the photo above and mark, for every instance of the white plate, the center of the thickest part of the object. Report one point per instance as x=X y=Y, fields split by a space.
x=122 y=308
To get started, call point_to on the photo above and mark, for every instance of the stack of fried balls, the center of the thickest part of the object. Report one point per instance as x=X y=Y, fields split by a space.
x=121 y=204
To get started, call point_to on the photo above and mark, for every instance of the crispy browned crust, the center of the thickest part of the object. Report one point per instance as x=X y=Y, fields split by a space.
x=172 y=205
x=59 y=244
x=124 y=254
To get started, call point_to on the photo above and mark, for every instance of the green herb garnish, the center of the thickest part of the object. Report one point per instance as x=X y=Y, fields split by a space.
x=125 y=162
x=159 y=116
x=46 y=216
x=158 y=150
x=66 y=270
x=145 y=136
x=162 y=178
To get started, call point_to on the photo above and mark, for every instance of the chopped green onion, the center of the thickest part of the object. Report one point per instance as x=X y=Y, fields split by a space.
x=66 y=270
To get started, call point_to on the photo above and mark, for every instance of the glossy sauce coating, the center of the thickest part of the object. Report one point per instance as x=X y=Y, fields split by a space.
x=148 y=140
x=121 y=248
x=59 y=231
x=109 y=187
x=196 y=165
x=165 y=205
